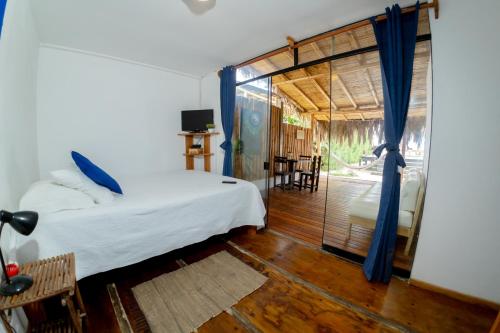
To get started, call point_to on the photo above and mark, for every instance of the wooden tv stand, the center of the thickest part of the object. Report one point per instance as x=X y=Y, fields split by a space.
x=207 y=155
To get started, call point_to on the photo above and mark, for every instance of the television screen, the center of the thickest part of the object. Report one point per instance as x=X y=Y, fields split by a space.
x=196 y=120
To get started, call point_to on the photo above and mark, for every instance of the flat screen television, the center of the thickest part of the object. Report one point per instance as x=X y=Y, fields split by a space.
x=196 y=120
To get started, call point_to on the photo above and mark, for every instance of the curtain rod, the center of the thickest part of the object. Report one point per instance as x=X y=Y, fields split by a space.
x=292 y=45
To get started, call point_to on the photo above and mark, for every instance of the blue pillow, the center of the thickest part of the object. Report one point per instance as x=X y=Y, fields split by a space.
x=98 y=175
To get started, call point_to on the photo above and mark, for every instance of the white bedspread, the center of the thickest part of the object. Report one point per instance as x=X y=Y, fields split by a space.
x=156 y=215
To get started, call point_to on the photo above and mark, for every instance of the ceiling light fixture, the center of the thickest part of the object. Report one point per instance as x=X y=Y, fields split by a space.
x=199 y=7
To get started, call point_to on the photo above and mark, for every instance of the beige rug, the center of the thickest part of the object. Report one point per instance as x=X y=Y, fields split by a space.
x=181 y=301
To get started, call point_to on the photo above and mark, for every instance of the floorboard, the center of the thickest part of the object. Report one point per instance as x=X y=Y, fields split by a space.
x=418 y=309
x=283 y=305
x=308 y=290
x=223 y=323
x=302 y=215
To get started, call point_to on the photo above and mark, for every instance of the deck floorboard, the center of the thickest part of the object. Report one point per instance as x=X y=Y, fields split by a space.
x=302 y=214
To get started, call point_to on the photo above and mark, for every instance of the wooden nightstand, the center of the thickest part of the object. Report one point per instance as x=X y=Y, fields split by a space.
x=52 y=277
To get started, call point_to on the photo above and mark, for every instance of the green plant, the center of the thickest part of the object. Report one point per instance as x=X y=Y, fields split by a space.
x=348 y=153
x=238 y=146
x=209 y=126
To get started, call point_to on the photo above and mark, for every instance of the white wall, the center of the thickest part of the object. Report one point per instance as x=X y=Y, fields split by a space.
x=18 y=68
x=459 y=245
x=124 y=116
x=210 y=99
x=18 y=150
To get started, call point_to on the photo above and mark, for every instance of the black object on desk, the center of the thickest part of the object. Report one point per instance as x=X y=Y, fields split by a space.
x=24 y=223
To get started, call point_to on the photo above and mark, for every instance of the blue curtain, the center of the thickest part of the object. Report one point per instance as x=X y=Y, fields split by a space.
x=227 y=102
x=3 y=4
x=396 y=39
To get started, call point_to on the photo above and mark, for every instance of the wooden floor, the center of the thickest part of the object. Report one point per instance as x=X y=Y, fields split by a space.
x=308 y=291
x=301 y=214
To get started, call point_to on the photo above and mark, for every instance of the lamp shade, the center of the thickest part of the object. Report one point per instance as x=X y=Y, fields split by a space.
x=199 y=7
x=23 y=222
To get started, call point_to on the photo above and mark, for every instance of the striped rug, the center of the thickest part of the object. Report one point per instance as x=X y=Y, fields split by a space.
x=181 y=301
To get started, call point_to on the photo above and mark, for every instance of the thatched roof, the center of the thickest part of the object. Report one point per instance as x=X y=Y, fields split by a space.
x=356 y=90
x=371 y=131
x=347 y=90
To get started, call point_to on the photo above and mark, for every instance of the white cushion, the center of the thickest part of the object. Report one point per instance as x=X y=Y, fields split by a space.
x=409 y=191
x=46 y=197
x=367 y=205
x=75 y=179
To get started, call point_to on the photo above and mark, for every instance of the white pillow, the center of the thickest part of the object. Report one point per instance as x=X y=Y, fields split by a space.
x=75 y=179
x=47 y=197
x=409 y=191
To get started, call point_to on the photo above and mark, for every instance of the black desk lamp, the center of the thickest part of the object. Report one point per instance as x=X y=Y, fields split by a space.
x=23 y=223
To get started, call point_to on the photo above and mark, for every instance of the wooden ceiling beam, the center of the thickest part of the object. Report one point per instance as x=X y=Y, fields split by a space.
x=301 y=93
x=305 y=78
x=362 y=60
x=363 y=23
x=321 y=54
x=317 y=50
x=355 y=46
x=283 y=95
x=380 y=111
x=320 y=89
x=315 y=83
x=345 y=90
x=338 y=71
x=372 y=88
x=329 y=34
x=310 y=101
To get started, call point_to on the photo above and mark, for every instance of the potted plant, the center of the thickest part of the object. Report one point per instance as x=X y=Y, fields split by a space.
x=211 y=128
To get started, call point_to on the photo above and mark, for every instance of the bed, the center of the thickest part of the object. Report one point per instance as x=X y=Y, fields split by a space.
x=157 y=214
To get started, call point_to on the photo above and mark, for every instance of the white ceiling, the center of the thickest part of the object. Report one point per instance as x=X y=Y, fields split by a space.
x=165 y=33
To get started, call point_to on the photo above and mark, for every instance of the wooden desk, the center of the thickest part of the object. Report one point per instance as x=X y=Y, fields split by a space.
x=52 y=277
x=189 y=139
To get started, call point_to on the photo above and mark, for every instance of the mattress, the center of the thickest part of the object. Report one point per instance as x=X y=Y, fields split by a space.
x=158 y=213
x=367 y=205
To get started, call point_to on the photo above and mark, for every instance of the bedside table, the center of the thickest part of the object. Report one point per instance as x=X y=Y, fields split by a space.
x=52 y=277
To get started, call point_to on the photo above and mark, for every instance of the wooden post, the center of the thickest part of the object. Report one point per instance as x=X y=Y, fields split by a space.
x=316 y=137
x=75 y=317
x=206 y=151
x=6 y=323
x=189 y=159
x=81 y=306
x=496 y=325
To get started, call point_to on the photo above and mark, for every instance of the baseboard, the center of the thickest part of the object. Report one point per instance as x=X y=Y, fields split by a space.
x=455 y=294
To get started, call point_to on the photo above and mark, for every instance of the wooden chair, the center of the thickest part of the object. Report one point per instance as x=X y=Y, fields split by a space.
x=280 y=164
x=303 y=165
x=310 y=179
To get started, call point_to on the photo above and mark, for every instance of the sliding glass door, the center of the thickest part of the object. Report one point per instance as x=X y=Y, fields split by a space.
x=299 y=134
x=355 y=174
x=315 y=128
x=250 y=134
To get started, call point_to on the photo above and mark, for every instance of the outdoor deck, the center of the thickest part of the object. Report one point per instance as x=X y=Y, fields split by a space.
x=302 y=215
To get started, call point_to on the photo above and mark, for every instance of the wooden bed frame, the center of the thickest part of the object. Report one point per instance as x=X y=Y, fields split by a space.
x=402 y=231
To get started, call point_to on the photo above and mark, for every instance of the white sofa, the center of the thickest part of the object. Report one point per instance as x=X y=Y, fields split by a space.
x=363 y=210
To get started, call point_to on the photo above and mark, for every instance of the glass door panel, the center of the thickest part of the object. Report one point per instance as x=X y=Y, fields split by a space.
x=299 y=133
x=250 y=133
x=355 y=174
